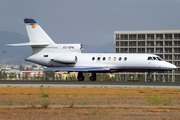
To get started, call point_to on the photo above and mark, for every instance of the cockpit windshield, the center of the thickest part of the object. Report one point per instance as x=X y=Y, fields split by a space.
x=155 y=58
x=160 y=59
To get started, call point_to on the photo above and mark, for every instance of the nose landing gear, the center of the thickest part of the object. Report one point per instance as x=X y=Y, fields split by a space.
x=149 y=77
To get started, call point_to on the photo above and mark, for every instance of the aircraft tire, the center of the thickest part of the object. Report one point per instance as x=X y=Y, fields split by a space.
x=148 y=80
x=81 y=78
x=92 y=78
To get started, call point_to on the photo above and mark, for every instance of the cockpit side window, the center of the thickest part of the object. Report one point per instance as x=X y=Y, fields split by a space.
x=150 y=58
x=154 y=58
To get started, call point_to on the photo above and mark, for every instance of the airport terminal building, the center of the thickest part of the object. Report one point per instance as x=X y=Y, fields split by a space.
x=165 y=43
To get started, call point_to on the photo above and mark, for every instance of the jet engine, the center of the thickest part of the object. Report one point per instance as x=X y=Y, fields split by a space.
x=66 y=59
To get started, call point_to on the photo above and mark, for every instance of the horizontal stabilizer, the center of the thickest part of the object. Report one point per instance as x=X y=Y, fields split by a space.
x=77 y=69
x=29 y=43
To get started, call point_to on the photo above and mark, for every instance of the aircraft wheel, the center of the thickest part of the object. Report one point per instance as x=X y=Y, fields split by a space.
x=92 y=78
x=81 y=78
x=148 y=80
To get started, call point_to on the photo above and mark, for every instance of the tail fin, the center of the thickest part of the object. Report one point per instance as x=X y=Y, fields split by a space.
x=36 y=33
x=37 y=36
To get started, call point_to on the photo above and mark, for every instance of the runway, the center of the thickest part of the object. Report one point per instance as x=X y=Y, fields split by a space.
x=22 y=83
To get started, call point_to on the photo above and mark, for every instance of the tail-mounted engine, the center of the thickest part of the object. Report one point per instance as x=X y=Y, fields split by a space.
x=66 y=59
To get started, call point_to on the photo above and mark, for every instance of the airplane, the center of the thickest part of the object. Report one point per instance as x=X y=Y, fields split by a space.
x=69 y=57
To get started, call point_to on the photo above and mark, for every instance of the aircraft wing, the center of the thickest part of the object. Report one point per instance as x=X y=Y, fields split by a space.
x=77 y=69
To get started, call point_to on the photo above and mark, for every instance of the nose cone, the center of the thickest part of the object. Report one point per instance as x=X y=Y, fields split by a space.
x=171 y=66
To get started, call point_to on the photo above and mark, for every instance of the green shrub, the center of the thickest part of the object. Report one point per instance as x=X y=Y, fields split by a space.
x=10 y=102
x=44 y=95
x=45 y=103
x=72 y=104
x=155 y=100
x=22 y=102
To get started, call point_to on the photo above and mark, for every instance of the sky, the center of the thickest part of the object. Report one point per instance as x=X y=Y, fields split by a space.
x=91 y=22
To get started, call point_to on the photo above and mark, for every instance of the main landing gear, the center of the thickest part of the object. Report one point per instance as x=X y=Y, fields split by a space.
x=149 y=77
x=80 y=76
x=93 y=77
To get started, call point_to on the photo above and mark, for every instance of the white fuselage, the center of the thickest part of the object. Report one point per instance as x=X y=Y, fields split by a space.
x=116 y=62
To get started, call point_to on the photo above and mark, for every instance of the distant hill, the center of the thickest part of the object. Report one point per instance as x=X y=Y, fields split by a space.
x=16 y=55
x=13 y=55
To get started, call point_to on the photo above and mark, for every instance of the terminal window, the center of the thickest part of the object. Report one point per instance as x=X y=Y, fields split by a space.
x=177 y=36
x=141 y=36
x=176 y=43
x=168 y=50
x=124 y=36
x=132 y=43
x=141 y=43
x=132 y=50
x=150 y=43
x=159 y=43
x=150 y=50
x=168 y=36
x=177 y=57
x=168 y=57
x=117 y=43
x=159 y=36
x=177 y=50
x=117 y=50
x=150 y=36
x=124 y=50
x=159 y=50
x=124 y=43
x=168 y=43
x=117 y=36
x=141 y=50
x=132 y=37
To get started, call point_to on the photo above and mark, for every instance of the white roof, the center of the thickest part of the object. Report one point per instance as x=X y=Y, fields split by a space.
x=147 y=32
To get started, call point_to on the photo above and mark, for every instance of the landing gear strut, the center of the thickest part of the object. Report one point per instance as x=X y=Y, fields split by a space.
x=80 y=76
x=149 y=77
x=93 y=77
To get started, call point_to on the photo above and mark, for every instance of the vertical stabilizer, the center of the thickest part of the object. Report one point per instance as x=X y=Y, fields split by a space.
x=36 y=33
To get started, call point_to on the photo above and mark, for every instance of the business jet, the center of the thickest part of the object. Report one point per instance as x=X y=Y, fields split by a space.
x=69 y=57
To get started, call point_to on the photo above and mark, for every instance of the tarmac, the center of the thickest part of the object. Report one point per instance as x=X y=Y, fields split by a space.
x=29 y=83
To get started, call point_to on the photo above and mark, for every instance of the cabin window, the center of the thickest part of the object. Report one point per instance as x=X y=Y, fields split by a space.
x=125 y=58
x=109 y=58
x=45 y=55
x=114 y=58
x=98 y=58
x=119 y=58
x=150 y=58
x=93 y=58
x=104 y=58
